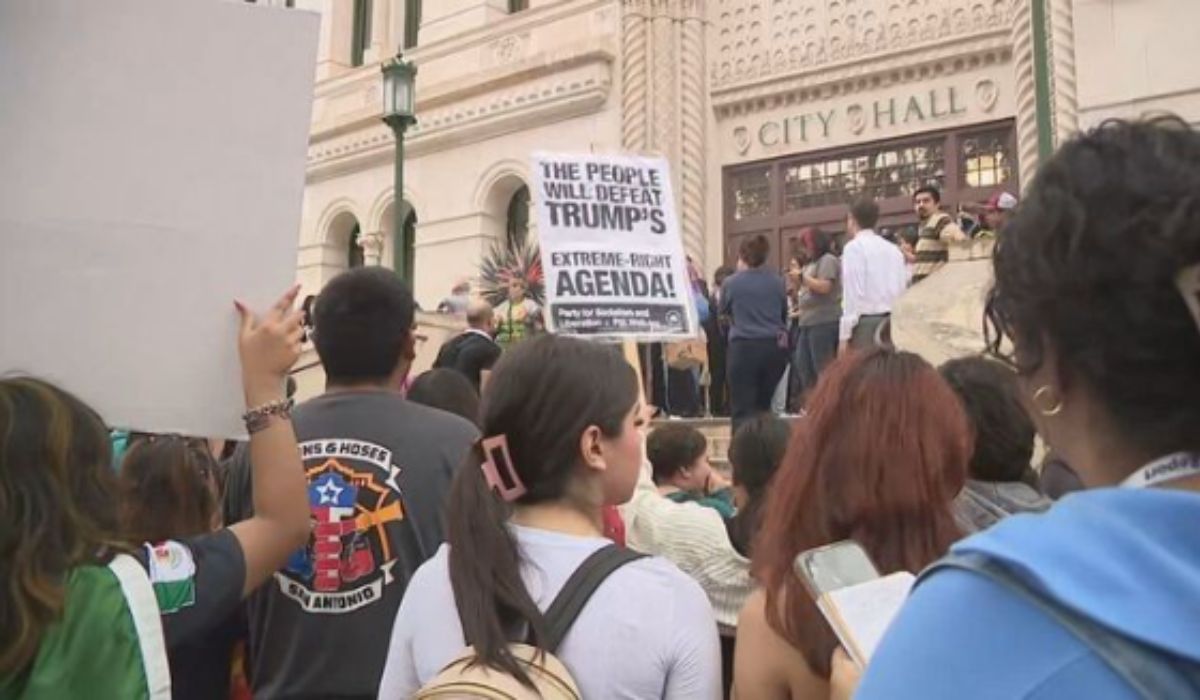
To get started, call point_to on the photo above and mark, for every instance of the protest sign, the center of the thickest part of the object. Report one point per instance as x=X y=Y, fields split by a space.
x=153 y=158
x=614 y=262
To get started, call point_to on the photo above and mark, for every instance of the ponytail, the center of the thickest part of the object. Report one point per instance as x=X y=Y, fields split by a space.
x=485 y=563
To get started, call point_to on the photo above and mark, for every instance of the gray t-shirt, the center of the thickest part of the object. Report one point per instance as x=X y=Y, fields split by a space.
x=816 y=308
x=647 y=632
x=378 y=469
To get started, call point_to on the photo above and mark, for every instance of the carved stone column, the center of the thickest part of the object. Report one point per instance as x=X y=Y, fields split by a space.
x=1044 y=60
x=372 y=246
x=664 y=98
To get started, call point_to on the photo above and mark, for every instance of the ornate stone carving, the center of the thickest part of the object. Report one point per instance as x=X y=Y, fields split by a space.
x=761 y=38
x=372 y=246
x=986 y=94
x=509 y=49
x=664 y=98
x=635 y=83
x=1064 y=118
x=694 y=121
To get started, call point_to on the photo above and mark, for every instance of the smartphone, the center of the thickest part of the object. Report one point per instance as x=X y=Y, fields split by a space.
x=827 y=570
x=838 y=565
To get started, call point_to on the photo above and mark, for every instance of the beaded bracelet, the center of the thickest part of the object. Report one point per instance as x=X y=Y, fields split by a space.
x=258 y=418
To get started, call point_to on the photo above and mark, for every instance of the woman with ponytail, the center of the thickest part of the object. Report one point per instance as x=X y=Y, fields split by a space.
x=522 y=519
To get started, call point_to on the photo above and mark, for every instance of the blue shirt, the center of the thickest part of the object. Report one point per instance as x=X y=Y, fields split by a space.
x=1127 y=559
x=756 y=301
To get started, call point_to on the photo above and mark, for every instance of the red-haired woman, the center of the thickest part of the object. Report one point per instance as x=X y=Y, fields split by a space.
x=879 y=459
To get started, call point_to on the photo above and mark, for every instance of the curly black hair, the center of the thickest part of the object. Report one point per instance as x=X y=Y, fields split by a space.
x=1086 y=270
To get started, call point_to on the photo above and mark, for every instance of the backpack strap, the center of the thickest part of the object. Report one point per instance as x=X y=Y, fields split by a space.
x=579 y=588
x=1147 y=671
x=147 y=622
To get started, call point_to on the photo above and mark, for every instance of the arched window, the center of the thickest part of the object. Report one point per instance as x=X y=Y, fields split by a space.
x=405 y=248
x=517 y=221
x=354 y=254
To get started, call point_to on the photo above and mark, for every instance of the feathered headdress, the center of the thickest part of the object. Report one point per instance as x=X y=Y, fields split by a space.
x=505 y=262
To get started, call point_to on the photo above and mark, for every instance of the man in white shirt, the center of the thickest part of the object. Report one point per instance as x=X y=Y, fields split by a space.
x=873 y=277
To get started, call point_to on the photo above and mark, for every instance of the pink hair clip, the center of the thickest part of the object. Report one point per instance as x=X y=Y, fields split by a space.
x=498 y=469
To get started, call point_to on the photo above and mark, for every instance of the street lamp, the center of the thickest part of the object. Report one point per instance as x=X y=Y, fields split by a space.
x=399 y=105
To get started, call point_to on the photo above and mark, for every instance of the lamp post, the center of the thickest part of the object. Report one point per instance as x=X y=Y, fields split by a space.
x=399 y=103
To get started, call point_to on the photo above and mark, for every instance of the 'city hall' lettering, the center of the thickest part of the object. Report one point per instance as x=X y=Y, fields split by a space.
x=936 y=103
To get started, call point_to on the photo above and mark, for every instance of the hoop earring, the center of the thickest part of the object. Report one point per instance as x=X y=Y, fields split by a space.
x=1038 y=400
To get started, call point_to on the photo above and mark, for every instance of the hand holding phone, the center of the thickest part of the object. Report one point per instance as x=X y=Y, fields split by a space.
x=856 y=602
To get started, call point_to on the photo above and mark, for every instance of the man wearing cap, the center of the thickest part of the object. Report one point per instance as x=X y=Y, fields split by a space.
x=995 y=214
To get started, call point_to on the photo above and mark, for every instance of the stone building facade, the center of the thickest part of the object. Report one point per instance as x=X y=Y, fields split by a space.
x=772 y=112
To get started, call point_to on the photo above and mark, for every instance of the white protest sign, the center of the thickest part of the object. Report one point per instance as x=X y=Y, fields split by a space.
x=152 y=156
x=614 y=261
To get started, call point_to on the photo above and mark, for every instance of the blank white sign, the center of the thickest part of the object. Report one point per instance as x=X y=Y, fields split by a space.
x=152 y=158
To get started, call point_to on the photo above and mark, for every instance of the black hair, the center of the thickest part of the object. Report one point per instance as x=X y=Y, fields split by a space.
x=1003 y=431
x=169 y=488
x=673 y=447
x=723 y=273
x=822 y=242
x=865 y=212
x=446 y=389
x=909 y=235
x=931 y=191
x=363 y=321
x=755 y=452
x=754 y=250
x=542 y=396
x=1087 y=269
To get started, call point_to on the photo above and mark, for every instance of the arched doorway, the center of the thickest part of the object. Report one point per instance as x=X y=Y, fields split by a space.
x=354 y=251
x=405 y=249
x=343 y=236
x=516 y=222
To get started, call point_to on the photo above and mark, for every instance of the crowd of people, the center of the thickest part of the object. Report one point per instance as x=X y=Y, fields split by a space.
x=510 y=519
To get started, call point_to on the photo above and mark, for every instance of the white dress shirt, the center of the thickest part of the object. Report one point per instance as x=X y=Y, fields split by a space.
x=873 y=277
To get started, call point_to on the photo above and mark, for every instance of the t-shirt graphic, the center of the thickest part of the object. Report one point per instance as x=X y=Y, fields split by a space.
x=378 y=468
x=354 y=494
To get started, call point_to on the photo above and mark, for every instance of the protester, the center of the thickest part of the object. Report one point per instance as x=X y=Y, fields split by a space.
x=678 y=454
x=1000 y=478
x=169 y=491
x=472 y=352
x=755 y=302
x=818 y=308
x=1097 y=597
x=755 y=453
x=446 y=390
x=718 y=345
x=378 y=469
x=564 y=437
x=786 y=398
x=459 y=301
x=936 y=232
x=996 y=213
x=79 y=616
x=873 y=278
x=518 y=317
x=879 y=459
